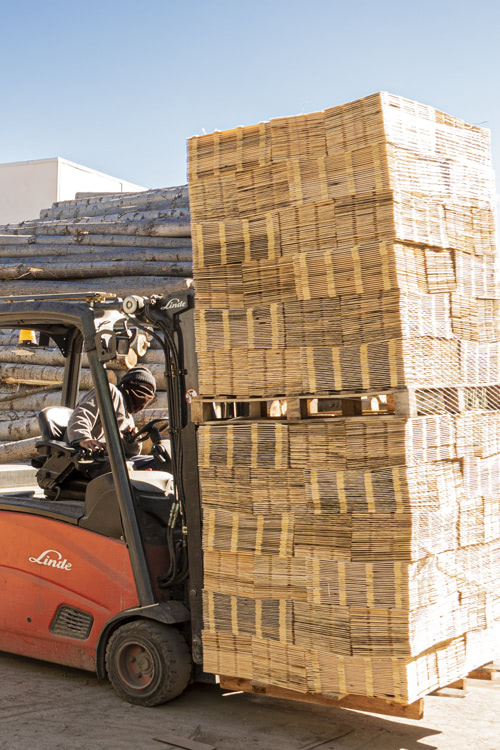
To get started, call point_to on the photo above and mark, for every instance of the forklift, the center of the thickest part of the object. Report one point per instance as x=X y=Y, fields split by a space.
x=101 y=574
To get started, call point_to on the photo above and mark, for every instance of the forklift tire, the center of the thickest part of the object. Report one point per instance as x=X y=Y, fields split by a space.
x=148 y=663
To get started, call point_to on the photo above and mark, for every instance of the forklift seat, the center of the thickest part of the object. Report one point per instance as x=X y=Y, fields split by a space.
x=56 y=461
x=53 y=421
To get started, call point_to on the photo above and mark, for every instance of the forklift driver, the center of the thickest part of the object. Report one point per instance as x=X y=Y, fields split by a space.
x=134 y=392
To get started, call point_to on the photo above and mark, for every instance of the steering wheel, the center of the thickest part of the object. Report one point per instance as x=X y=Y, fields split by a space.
x=143 y=434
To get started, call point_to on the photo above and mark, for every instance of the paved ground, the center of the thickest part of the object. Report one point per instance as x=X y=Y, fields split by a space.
x=47 y=707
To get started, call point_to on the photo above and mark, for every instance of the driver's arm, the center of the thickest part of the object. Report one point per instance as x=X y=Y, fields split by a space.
x=83 y=428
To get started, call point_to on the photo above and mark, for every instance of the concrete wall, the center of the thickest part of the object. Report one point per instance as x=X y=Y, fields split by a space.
x=27 y=187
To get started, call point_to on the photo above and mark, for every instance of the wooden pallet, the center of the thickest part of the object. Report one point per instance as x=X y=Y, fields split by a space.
x=402 y=402
x=456 y=689
x=490 y=671
x=357 y=702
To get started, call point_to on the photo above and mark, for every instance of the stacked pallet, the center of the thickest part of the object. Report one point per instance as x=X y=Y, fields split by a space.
x=350 y=251
x=133 y=243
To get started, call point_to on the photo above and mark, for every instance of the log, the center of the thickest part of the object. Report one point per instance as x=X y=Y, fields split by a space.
x=31 y=355
x=10 y=255
x=152 y=357
x=160 y=401
x=121 y=218
x=34 y=401
x=158 y=228
x=9 y=339
x=15 y=239
x=18 y=450
x=25 y=391
x=145 y=196
x=106 y=240
x=44 y=375
x=121 y=286
x=20 y=429
x=96 y=270
x=116 y=208
x=53 y=357
x=14 y=415
x=127 y=213
x=143 y=417
x=95 y=194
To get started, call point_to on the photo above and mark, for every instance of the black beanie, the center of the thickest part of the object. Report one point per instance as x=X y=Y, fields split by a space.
x=139 y=374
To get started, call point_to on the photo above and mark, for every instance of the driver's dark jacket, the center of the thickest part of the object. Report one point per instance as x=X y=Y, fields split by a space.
x=85 y=422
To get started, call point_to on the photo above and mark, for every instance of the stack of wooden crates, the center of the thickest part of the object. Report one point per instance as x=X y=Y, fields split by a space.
x=344 y=266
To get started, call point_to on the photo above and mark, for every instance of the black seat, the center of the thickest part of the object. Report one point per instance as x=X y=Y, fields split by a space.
x=53 y=421
x=57 y=460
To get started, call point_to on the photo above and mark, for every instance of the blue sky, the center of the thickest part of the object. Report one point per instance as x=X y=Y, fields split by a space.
x=119 y=85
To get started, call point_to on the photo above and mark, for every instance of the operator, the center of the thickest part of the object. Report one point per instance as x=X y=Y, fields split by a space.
x=135 y=390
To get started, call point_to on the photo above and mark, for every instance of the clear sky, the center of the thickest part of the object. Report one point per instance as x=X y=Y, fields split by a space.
x=119 y=85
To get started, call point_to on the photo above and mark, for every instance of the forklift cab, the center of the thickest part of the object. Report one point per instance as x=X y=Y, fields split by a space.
x=101 y=573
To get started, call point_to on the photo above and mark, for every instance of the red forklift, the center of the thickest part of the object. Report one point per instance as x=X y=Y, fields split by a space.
x=101 y=574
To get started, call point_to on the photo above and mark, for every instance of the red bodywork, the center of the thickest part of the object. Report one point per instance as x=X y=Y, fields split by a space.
x=99 y=581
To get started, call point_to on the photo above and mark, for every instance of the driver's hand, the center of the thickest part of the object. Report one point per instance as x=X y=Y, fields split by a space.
x=89 y=444
x=130 y=433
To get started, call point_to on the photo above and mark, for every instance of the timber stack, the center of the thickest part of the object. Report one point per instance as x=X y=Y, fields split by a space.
x=344 y=267
x=118 y=243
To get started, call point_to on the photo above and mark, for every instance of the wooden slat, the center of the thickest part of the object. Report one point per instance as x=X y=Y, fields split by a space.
x=357 y=702
x=490 y=671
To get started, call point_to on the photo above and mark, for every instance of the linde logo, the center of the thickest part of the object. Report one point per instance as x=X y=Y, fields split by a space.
x=52 y=558
x=174 y=304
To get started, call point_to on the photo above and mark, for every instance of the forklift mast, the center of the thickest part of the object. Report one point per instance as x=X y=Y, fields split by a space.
x=173 y=316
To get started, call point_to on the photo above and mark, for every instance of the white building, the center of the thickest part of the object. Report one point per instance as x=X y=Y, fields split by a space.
x=28 y=186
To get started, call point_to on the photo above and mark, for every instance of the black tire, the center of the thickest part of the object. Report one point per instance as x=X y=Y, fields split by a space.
x=148 y=663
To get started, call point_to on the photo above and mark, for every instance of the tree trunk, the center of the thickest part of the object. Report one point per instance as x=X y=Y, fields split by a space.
x=15 y=415
x=143 y=417
x=180 y=192
x=19 y=450
x=79 y=270
x=11 y=255
x=99 y=240
x=33 y=401
x=38 y=356
x=18 y=240
x=152 y=357
x=115 y=208
x=20 y=429
x=158 y=228
x=129 y=215
x=44 y=375
x=9 y=339
x=121 y=286
x=31 y=356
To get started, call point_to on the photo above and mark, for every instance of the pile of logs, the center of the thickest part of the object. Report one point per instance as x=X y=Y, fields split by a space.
x=119 y=243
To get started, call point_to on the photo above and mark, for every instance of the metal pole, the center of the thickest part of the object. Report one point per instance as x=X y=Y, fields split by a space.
x=122 y=483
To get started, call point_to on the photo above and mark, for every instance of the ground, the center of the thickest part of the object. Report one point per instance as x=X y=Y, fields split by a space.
x=48 y=707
